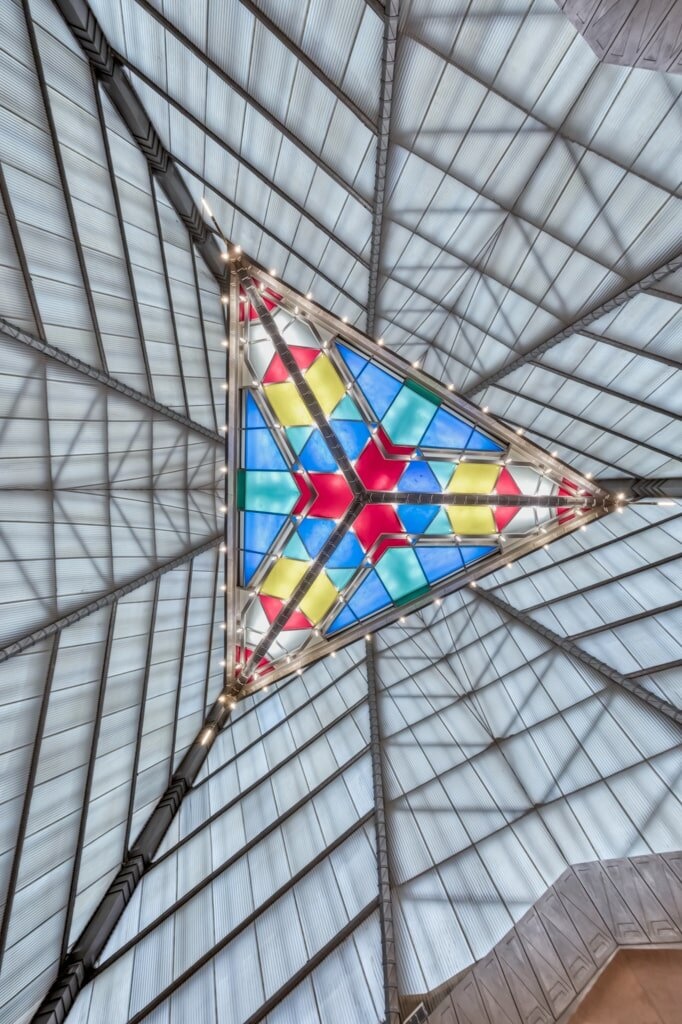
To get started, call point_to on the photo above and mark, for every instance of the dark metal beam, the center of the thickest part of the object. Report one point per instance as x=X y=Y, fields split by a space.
x=79 y=964
x=391 y=992
x=390 y=47
x=635 y=488
x=670 y=265
x=29 y=639
x=245 y=95
x=181 y=666
x=102 y=377
x=625 y=620
x=21 y=255
x=644 y=353
x=664 y=707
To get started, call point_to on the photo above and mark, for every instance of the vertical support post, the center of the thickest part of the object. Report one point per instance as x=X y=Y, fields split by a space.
x=232 y=442
x=391 y=995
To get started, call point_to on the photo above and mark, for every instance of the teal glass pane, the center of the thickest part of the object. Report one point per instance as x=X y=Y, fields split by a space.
x=265 y=491
x=346 y=410
x=340 y=577
x=400 y=572
x=442 y=471
x=295 y=549
x=441 y=524
x=408 y=417
x=297 y=437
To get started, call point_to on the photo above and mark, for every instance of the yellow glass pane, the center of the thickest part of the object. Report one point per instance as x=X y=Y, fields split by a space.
x=283 y=578
x=471 y=520
x=474 y=478
x=319 y=598
x=326 y=384
x=287 y=404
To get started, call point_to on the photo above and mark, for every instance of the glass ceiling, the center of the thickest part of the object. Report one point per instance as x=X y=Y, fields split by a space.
x=365 y=487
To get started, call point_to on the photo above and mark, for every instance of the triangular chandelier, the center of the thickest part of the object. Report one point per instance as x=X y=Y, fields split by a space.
x=364 y=488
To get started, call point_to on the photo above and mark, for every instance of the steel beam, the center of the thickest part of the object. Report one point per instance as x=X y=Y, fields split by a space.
x=650 y=280
x=390 y=47
x=636 y=488
x=391 y=992
x=9 y=330
x=29 y=639
x=664 y=707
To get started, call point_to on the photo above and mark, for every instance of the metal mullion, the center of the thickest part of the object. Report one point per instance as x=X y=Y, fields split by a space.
x=602 y=583
x=645 y=353
x=28 y=795
x=607 y=306
x=625 y=620
x=85 y=806
x=246 y=96
x=29 y=639
x=211 y=629
x=388 y=60
x=140 y=718
x=209 y=379
x=260 y=781
x=183 y=645
x=254 y=915
x=664 y=707
x=68 y=202
x=303 y=58
x=609 y=431
x=231 y=522
x=121 y=228
x=232 y=859
x=604 y=389
x=87 y=370
x=653 y=669
x=388 y=948
x=169 y=293
x=21 y=255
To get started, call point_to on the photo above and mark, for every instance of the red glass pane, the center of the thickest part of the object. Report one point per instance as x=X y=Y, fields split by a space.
x=333 y=495
x=377 y=472
x=375 y=520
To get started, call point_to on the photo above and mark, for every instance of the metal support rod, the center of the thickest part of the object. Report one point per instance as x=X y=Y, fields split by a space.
x=391 y=993
x=635 y=488
x=29 y=639
x=388 y=59
x=9 y=330
x=617 y=300
x=611 y=674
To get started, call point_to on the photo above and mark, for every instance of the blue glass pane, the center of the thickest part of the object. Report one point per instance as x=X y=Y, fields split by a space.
x=378 y=387
x=314 y=533
x=352 y=435
x=347 y=554
x=344 y=618
x=439 y=562
x=254 y=417
x=416 y=518
x=260 y=529
x=472 y=554
x=251 y=563
x=262 y=452
x=370 y=596
x=316 y=457
x=297 y=437
x=353 y=361
x=447 y=431
x=418 y=477
x=480 y=443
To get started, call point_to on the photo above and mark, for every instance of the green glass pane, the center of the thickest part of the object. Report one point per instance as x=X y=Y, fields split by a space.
x=400 y=572
x=266 y=491
x=408 y=417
